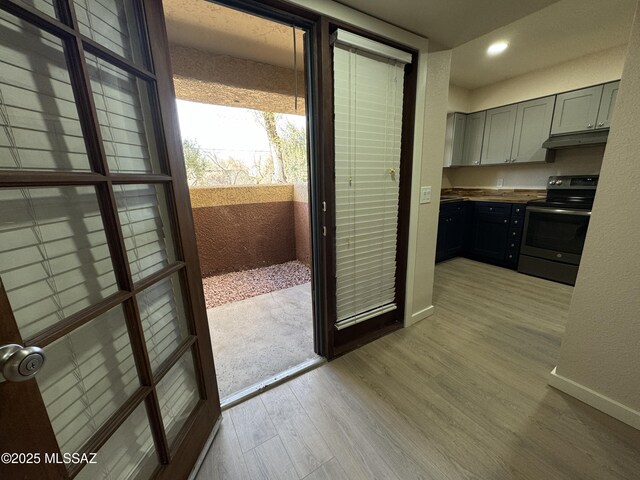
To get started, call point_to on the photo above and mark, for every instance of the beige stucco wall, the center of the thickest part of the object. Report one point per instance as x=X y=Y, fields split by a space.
x=459 y=99
x=438 y=70
x=249 y=226
x=601 y=347
x=223 y=80
x=239 y=195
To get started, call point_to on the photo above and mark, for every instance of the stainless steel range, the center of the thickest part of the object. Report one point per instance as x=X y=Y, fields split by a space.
x=555 y=228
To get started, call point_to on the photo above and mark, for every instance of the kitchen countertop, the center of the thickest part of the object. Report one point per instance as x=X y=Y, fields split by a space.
x=449 y=195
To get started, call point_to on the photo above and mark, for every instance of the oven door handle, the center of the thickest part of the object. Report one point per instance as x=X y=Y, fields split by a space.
x=584 y=213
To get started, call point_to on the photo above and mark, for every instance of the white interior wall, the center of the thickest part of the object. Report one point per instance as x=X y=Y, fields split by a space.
x=600 y=352
x=459 y=99
x=423 y=264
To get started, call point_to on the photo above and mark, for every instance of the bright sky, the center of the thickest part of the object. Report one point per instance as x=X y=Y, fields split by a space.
x=225 y=128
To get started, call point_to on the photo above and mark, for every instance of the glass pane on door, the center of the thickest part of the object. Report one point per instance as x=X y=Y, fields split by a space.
x=128 y=455
x=87 y=376
x=145 y=227
x=114 y=25
x=124 y=113
x=46 y=6
x=54 y=257
x=178 y=395
x=39 y=125
x=163 y=319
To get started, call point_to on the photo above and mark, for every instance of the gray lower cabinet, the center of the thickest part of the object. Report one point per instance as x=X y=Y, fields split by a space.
x=454 y=144
x=498 y=135
x=577 y=111
x=607 y=103
x=473 y=134
x=533 y=124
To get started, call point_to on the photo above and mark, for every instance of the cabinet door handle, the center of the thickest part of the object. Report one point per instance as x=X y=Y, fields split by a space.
x=505 y=220
x=507 y=160
x=590 y=125
x=601 y=124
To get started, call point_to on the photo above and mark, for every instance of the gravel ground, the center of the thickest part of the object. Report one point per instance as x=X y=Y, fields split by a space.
x=235 y=286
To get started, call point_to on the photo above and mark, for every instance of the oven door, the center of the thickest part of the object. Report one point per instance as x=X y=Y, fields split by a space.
x=555 y=233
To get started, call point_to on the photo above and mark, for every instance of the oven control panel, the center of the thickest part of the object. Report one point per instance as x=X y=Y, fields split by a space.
x=584 y=182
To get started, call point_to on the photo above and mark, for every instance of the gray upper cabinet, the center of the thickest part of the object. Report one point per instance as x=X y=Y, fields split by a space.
x=473 y=134
x=498 y=135
x=533 y=123
x=577 y=111
x=607 y=103
x=454 y=143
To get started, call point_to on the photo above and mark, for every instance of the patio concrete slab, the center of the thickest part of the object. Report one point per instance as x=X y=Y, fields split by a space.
x=259 y=337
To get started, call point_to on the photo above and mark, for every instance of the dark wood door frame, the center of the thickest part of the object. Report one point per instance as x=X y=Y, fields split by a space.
x=342 y=341
x=330 y=342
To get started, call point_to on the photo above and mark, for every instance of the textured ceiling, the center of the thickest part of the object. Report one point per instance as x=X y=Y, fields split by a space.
x=541 y=33
x=212 y=28
x=563 y=31
x=449 y=22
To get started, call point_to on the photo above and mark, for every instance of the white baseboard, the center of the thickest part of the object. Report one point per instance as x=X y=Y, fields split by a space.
x=596 y=400
x=420 y=315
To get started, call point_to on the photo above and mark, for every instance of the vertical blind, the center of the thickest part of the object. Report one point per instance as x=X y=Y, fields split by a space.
x=368 y=95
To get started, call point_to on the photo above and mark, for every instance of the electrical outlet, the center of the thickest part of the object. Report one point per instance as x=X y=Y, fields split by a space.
x=425 y=194
x=500 y=182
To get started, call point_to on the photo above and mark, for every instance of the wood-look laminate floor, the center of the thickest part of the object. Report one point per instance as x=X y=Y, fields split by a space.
x=461 y=395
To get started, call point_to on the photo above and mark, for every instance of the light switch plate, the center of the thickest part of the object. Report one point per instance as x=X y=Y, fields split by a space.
x=500 y=182
x=425 y=194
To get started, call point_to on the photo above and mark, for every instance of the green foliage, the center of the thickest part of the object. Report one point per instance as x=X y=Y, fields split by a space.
x=288 y=147
x=198 y=168
x=287 y=162
x=294 y=151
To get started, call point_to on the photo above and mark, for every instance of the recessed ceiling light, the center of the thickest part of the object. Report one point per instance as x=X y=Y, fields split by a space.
x=496 y=48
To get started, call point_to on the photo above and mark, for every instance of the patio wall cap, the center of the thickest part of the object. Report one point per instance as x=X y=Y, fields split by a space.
x=240 y=194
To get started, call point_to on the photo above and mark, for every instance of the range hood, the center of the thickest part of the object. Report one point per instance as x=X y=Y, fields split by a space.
x=572 y=140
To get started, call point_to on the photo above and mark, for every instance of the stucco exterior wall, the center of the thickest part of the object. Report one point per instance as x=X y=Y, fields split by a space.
x=250 y=226
x=600 y=350
x=223 y=80
x=301 y=223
